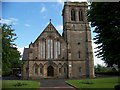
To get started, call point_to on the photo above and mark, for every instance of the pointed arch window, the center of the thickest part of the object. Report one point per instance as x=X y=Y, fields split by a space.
x=73 y=18
x=35 y=71
x=65 y=70
x=80 y=15
x=59 y=70
x=57 y=49
x=41 y=70
x=42 y=49
x=50 y=48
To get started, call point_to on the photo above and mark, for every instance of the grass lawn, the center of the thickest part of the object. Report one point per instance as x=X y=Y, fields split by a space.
x=98 y=83
x=20 y=85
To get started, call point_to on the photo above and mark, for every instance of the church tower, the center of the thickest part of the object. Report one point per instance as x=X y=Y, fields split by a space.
x=77 y=34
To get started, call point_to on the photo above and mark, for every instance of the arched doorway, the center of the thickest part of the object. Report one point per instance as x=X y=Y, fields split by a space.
x=50 y=71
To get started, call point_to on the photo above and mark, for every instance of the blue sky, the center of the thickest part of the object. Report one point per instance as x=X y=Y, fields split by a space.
x=29 y=19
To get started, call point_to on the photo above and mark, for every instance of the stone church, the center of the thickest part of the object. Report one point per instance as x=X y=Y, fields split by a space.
x=68 y=56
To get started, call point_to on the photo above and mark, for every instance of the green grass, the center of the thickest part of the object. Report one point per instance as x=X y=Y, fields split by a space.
x=20 y=85
x=88 y=84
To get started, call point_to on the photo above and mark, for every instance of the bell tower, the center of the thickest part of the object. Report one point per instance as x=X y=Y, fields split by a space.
x=77 y=34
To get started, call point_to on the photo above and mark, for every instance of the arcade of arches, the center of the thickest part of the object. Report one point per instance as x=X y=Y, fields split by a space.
x=49 y=70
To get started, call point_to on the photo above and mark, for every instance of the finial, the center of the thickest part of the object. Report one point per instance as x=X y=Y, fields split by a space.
x=50 y=20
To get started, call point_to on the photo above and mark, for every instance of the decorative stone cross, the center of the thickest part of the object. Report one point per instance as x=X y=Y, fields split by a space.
x=50 y=20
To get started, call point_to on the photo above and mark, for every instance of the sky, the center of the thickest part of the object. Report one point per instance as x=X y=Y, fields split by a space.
x=29 y=19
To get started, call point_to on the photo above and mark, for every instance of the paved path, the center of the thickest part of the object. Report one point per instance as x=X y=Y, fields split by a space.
x=54 y=84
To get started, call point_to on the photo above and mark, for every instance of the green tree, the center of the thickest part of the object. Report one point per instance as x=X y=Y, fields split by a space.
x=10 y=54
x=105 y=17
x=100 y=68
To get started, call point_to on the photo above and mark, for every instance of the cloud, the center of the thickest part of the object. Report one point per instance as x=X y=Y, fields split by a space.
x=59 y=27
x=43 y=9
x=21 y=49
x=43 y=0
x=78 y=0
x=60 y=1
x=5 y=21
x=96 y=59
x=27 y=25
x=14 y=19
x=10 y=21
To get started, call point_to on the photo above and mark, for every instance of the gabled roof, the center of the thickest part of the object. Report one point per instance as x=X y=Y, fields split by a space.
x=49 y=28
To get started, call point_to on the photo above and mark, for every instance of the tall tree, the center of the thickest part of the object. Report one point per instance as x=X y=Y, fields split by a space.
x=10 y=55
x=105 y=17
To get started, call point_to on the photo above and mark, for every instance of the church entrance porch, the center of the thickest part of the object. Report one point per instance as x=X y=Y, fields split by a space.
x=50 y=71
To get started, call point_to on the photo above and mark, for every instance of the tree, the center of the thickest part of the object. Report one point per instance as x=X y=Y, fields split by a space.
x=100 y=68
x=105 y=17
x=10 y=54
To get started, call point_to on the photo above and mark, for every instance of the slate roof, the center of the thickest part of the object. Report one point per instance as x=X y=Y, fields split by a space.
x=26 y=53
x=49 y=28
